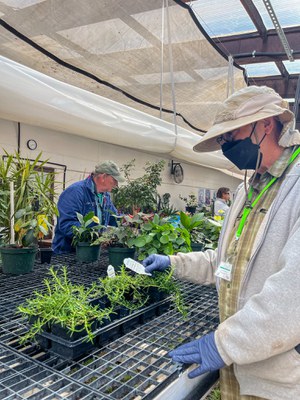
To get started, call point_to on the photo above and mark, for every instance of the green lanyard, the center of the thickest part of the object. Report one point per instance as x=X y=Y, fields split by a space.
x=248 y=209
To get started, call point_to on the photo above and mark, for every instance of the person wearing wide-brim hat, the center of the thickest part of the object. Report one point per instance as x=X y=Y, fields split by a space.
x=90 y=194
x=256 y=266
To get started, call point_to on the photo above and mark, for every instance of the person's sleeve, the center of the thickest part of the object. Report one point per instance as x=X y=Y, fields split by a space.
x=268 y=324
x=198 y=267
x=70 y=202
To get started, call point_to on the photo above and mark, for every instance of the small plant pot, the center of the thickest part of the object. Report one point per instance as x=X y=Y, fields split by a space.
x=191 y=210
x=45 y=255
x=18 y=261
x=197 y=246
x=116 y=255
x=87 y=253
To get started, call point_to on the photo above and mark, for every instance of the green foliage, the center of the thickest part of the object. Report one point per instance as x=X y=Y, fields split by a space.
x=201 y=229
x=140 y=193
x=158 y=236
x=124 y=289
x=29 y=226
x=69 y=305
x=131 y=291
x=88 y=229
x=124 y=233
x=165 y=209
x=34 y=195
x=62 y=303
x=190 y=200
x=215 y=394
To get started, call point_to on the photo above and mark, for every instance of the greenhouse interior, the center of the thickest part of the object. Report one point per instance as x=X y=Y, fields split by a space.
x=149 y=215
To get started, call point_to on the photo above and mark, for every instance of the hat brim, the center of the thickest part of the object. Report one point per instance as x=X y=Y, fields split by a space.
x=209 y=140
x=119 y=178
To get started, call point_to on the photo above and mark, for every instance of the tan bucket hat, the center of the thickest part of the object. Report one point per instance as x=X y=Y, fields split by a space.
x=243 y=107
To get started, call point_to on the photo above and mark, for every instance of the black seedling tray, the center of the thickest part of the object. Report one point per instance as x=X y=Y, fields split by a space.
x=72 y=349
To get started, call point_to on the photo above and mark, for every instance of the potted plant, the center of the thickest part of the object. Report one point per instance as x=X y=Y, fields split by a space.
x=84 y=236
x=159 y=236
x=140 y=194
x=32 y=191
x=204 y=232
x=191 y=203
x=119 y=240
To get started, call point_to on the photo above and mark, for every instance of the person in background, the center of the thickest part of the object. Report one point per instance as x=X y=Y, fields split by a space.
x=256 y=266
x=221 y=203
x=90 y=194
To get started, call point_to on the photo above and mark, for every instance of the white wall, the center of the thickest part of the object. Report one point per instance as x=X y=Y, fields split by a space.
x=81 y=154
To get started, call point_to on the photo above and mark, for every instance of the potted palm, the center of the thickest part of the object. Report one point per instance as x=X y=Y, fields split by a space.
x=27 y=204
x=84 y=236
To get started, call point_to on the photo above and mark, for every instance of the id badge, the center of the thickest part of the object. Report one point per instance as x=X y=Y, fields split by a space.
x=224 y=271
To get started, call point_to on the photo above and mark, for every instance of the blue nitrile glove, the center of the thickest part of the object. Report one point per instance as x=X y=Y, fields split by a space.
x=202 y=351
x=156 y=262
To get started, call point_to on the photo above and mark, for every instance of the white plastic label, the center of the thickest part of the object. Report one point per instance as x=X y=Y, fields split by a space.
x=135 y=266
x=224 y=271
x=111 y=273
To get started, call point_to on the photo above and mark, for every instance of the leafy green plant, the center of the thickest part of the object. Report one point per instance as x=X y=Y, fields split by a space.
x=62 y=303
x=132 y=291
x=34 y=194
x=201 y=229
x=88 y=230
x=29 y=226
x=139 y=194
x=190 y=200
x=165 y=209
x=123 y=289
x=158 y=236
x=122 y=235
x=165 y=282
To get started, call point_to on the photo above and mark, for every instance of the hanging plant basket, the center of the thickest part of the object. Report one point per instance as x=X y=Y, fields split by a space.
x=87 y=253
x=18 y=260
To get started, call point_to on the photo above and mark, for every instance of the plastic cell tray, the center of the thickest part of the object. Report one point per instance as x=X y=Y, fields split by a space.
x=134 y=366
x=72 y=349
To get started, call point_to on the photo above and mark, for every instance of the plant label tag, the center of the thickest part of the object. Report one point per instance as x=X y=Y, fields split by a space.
x=135 y=266
x=224 y=271
x=111 y=273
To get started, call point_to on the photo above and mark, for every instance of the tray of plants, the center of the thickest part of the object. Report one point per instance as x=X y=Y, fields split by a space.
x=70 y=320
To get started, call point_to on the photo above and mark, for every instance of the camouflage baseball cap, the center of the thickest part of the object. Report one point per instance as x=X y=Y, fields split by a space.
x=110 y=168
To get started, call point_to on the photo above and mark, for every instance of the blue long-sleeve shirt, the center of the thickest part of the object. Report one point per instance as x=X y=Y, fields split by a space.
x=79 y=197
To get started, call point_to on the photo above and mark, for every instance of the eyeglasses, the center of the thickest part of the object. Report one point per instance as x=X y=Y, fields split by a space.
x=225 y=138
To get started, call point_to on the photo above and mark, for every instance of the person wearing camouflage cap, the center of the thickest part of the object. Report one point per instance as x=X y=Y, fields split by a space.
x=90 y=194
x=256 y=266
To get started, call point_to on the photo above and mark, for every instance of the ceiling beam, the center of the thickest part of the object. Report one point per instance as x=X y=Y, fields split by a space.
x=255 y=16
x=285 y=87
x=251 y=43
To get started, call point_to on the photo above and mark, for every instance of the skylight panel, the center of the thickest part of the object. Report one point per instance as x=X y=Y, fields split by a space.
x=287 y=12
x=261 y=69
x=222 y=18
x=292 y=67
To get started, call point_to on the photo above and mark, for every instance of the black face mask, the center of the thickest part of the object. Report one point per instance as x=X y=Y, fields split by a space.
x=242 y=153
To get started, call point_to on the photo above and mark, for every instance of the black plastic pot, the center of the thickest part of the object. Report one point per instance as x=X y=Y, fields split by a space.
x=191 y=210
x=45 y=255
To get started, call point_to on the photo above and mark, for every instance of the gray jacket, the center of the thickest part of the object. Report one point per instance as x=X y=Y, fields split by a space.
x=260 y=338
